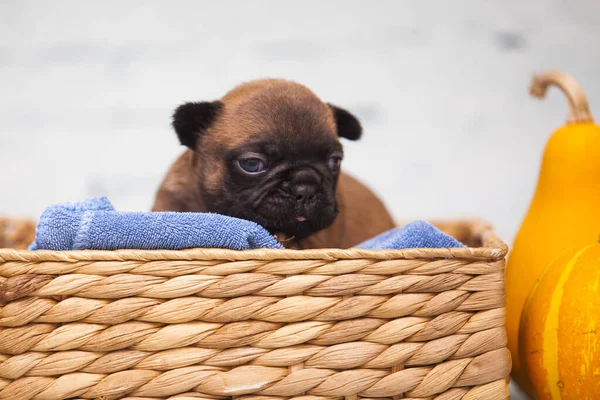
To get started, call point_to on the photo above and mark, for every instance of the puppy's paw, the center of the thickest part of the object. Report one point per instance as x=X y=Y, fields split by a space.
x=290 y=243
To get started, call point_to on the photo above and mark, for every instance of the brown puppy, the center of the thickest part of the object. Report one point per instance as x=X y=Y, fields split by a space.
x=269 y=152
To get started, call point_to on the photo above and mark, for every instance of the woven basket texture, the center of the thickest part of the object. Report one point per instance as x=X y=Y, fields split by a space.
x=254 y=325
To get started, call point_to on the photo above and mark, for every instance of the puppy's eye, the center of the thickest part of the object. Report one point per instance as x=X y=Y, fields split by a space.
x=252 y=165
x=334 y=163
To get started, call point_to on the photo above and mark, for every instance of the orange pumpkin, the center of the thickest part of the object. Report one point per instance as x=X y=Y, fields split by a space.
x=559 y=340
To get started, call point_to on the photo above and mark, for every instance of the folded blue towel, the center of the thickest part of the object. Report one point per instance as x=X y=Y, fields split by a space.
x=415 y=235
x=94 y=225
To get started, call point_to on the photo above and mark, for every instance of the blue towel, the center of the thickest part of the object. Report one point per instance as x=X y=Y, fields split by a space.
x=417 y=234
x=94 y=225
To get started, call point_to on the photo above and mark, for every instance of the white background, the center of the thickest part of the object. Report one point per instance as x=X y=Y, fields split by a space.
x=87 y=89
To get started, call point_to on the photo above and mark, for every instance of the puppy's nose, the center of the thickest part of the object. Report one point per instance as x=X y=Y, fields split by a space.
x=304 y=191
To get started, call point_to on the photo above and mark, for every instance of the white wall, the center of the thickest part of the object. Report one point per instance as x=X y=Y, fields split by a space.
x=86 y=92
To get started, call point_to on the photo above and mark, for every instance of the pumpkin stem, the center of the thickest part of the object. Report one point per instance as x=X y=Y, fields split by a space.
x=579 y=110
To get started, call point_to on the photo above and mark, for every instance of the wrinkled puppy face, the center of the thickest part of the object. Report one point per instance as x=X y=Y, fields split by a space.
x=269 y=152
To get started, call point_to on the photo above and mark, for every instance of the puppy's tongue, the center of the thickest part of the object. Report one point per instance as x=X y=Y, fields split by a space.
x=301 y=219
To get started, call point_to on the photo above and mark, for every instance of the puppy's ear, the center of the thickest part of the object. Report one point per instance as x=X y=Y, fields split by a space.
x=190 y=120
x=348 y=125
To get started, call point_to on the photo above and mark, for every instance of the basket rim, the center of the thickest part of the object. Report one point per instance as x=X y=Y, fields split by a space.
x=493 y=248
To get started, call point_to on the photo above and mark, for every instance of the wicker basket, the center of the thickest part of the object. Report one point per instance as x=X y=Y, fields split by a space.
x=256 y=325
x=16 y=233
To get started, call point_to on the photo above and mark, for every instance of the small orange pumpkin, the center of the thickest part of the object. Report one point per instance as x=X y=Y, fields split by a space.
x=559 y=341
